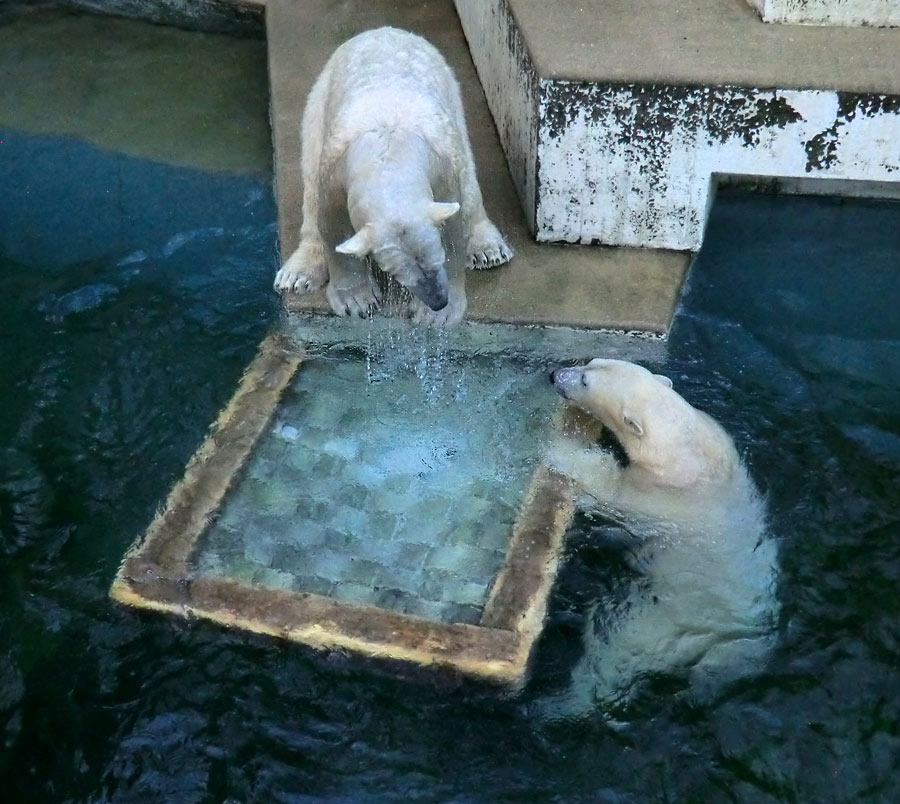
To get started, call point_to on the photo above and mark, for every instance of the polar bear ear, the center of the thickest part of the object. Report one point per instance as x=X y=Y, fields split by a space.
x=632 y=424
x=662 y=378
x=439 y=212
x=359 y=245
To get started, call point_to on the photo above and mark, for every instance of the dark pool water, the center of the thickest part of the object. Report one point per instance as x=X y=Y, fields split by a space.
x=133 y=293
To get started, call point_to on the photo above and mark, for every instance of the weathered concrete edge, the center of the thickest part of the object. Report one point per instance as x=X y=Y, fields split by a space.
x=491 y=655
x=315 y=304
x=510 y=83
x=155 y=573
x=168 y=541
x=235 y=17
x=518 y=598
x=631 y=165
x=793 y=185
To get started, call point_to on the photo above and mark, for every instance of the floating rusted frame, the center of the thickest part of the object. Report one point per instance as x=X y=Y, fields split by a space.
x=156 y=574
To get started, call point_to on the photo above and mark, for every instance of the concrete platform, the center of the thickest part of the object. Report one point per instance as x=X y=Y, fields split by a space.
x=704 y=43
x=618 y=116
x=621 y=289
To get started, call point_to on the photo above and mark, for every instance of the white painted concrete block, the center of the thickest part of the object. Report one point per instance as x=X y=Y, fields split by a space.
x=632 y=165
x=880 y=13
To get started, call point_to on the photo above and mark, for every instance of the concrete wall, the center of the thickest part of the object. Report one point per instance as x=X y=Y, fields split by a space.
x=241 y=17
x=830 y=12
x=632 y=165
x=511 y=87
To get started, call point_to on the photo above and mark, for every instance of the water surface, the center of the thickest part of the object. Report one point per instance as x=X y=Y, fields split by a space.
x=123 y=334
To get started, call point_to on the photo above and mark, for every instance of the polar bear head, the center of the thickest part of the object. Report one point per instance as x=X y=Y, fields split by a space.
x=409 y=248
x=667 y=441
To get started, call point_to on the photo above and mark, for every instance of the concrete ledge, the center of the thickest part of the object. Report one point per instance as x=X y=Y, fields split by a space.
x=640 y=103
x=620 y=289
x=243 y=17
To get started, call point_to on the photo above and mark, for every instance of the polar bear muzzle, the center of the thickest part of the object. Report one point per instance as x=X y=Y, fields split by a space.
x=566 y=380
x=432 y=290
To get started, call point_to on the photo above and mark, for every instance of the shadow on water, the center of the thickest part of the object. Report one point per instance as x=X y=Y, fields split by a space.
x=126 y=319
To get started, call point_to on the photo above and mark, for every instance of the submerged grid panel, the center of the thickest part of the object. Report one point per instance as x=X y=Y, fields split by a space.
x=398 y=491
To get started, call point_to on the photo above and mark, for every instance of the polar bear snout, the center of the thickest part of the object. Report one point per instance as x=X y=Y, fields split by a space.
x=566 y=380
x=432 y=291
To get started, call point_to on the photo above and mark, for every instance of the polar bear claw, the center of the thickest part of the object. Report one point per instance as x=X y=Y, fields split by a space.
x=305 y=271
x=486 y=247
x=359 y=300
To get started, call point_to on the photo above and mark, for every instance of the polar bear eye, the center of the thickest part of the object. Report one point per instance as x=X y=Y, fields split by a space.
x=584 y=381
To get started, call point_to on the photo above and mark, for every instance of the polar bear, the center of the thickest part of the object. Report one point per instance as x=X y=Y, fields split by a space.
x=706 y=601
x=384 y=135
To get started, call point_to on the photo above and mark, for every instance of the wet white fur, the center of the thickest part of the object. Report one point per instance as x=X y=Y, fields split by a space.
x=702 y=546
x=384 y=134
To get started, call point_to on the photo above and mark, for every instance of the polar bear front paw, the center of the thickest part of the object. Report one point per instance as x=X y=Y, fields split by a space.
x=356 y=300
x=486 y=247
x=559 y=454
x=306 y=269
x=451 y=314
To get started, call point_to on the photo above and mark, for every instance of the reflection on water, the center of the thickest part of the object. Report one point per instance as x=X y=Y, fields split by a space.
x=184 y=98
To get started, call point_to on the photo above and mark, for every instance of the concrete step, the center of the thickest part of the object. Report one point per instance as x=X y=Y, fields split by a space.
x=618 y=116
x=830 y=12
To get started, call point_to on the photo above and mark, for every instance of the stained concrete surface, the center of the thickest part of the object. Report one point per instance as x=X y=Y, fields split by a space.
x=829 y=12
x=706 y=42
x=629 y=289
x=641 y=105
x=63 y=73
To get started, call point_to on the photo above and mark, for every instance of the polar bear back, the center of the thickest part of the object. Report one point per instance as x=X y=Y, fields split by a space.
x=388 y=79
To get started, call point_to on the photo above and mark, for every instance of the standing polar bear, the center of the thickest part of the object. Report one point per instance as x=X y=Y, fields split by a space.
x=707 y=599
x=384 y=135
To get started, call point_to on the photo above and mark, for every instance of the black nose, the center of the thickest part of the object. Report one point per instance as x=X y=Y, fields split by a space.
x=552 y=376
x=438 y=301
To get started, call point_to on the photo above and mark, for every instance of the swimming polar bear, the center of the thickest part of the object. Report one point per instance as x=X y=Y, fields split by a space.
x=707 y=599
x=384 y=134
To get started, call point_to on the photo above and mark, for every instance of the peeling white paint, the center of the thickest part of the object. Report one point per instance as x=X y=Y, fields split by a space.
x=880 y=13
x=632 y=166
